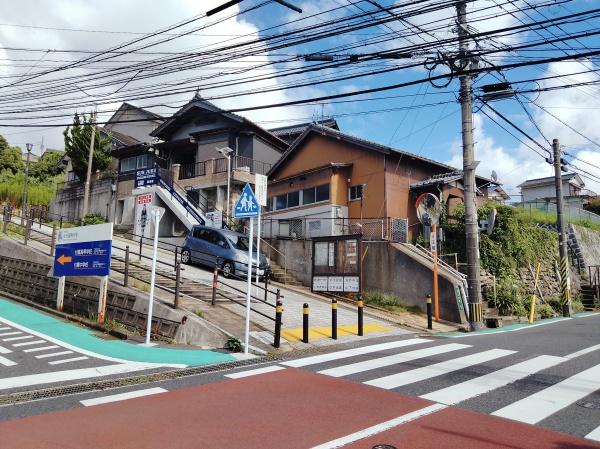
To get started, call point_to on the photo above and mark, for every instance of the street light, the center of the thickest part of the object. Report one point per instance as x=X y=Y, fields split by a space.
x=226 y=151
x=29 y=147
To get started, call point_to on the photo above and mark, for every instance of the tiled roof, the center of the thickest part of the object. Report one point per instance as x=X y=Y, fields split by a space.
x=300 y=127
x=548 y=180
x=442 y=178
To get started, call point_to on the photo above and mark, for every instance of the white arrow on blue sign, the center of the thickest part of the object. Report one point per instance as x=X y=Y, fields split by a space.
x=247 y=206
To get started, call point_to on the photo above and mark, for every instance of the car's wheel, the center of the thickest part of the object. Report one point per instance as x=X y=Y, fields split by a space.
x=228 y=269
x=186 y=258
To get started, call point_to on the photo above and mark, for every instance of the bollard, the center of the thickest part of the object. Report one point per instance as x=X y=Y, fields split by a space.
x=60 y=222
x=305 y=323
x=334 y=319
x=266 y=279
x=126 y=273
x=177 y=283
x=360 y=316
x=6 y=219
x=278 y=313
x=429 y=313
x=215 y=284
x=176 y=253
x=141 y=243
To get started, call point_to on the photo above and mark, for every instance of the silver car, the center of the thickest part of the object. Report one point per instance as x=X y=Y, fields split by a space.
x=206 y=246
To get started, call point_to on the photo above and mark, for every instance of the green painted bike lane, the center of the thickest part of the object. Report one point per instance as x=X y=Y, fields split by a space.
x=514 y=327
x=82 y=338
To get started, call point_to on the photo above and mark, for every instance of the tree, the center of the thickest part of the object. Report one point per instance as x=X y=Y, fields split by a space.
x=49 y=165
x=10 y=157
x=77 y=146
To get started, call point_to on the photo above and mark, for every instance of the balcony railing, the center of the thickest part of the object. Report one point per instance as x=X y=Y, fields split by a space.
x=215 y=166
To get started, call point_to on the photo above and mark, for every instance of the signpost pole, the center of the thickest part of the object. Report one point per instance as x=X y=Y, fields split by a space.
x=247 y=327
x=102 y=299
x=60 y=293
x=433 y=245
x=258 y=248
x=156 y=213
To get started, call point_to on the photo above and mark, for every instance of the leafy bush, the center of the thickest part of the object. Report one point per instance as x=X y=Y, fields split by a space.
x=92 y=219
x=38 y=192
x=577 y=305
x=509 y=297
x=546 y=311
x=389 y=302
x=233 y=344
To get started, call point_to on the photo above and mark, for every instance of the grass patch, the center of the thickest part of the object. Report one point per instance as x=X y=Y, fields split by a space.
x=38 y=192
x=199 y=312
x=140 y=285
x=389 y=302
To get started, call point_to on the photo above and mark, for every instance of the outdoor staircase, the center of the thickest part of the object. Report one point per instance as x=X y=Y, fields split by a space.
x=589 y=297
x=280 y=275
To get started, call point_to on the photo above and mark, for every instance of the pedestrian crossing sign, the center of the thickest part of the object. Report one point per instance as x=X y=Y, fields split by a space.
x=246 y=206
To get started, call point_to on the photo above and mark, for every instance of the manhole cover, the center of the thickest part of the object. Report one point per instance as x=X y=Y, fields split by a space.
x=586 y=404
x=384 y=446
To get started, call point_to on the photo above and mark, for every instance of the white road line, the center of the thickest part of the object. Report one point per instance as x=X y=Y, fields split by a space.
x=4 y=350
x=81 y=350
x=6 y=334
x=25 y=337
x=379 y=428
x=391 y=360
x=54 y=354
x=503 y=331
x=594 y=434
x=73 y=374
x=122 y=396
x=588 y=314
x=74 y=359
x=4 y=361
x=43 y=348
x=29 y=343
x=437 y=369
x=254 y=372
x=582 y=352
x=542 y=404
x=4 y=328
x=488 y=382
x=353 y=352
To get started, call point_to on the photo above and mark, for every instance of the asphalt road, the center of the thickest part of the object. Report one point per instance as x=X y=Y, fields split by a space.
x=475 y=391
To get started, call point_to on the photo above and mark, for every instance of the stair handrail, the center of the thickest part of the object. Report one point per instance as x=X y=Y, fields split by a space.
x=278 y=252
x=450 y=268
x=170 y=185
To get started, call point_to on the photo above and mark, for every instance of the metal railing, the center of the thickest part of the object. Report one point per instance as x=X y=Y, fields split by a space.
x=219 y=165
x=571 y=213
x=594 y=277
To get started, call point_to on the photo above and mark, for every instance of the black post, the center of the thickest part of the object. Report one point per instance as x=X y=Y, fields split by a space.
x=60 y=223
x=141 y=243
x=266 y=286
x=305 y=323
x=177 y=283
x=334 y=319
x=429 y=313
x=360 y=316
x=215 y=283
x=176 y=252
x=5 y=219
x=126 y=274
x=278 y=313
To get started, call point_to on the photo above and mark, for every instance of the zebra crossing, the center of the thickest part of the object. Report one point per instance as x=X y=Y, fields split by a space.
x=459 y=374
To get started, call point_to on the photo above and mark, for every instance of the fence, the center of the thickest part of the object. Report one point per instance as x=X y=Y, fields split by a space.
x=214 y=166
x=571 y=213
x=379 y=229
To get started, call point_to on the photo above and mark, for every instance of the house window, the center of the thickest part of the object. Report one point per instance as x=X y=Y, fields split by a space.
x=293 y=199
x=281 y=202
x=322 y=193
x=134 y=163
x=355 y=192
x=308 y=196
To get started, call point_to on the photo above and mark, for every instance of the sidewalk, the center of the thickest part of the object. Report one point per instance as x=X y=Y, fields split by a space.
x=51 y=328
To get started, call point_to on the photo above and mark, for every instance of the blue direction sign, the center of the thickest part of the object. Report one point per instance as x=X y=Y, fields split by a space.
x=146 y=177
x=83 y=251
x=247 y=206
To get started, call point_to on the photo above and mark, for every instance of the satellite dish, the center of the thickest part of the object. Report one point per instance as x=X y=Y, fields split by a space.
x=428 y=209
x=494 y=176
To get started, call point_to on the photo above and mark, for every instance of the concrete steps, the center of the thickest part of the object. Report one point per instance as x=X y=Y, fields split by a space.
x=279 y=275
x=589 y=297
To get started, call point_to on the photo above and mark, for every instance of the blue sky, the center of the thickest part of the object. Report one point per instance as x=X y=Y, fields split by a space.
x=431 y=127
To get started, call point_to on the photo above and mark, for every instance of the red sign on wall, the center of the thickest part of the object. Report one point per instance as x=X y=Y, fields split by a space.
x=144 y=199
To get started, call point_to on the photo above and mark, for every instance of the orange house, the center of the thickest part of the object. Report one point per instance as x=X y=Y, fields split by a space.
x=329 y=183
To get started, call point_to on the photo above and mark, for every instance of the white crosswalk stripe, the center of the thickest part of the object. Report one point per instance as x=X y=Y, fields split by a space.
x=73 y=359
x=488 y=382
x=381 y=362
x=437 y=369
x=542 y=404
x=594 y=434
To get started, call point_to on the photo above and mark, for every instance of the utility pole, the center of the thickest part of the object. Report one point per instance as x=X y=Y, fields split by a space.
x=565 y=279
x=469 y=165
x=29 y=147
x=86 y=191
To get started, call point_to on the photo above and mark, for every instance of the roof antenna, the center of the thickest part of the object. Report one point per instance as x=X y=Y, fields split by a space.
x=197 y=95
